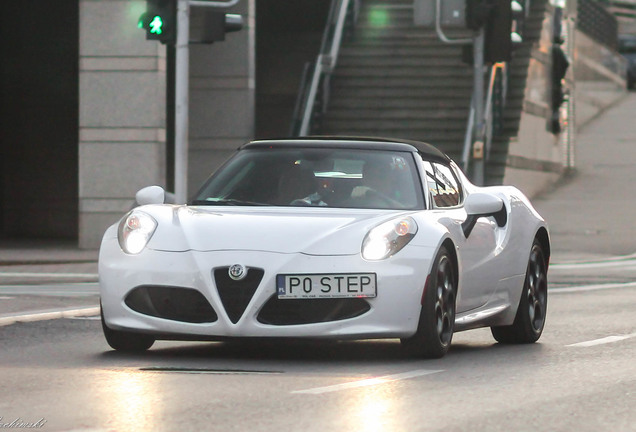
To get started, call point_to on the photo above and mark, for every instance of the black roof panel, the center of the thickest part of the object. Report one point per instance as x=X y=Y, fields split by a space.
x=371 y=143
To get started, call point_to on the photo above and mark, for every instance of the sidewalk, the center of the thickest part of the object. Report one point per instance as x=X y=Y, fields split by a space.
x=591 y=213
x=39 y=252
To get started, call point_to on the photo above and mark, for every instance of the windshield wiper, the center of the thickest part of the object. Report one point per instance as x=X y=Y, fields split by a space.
x=227 y=201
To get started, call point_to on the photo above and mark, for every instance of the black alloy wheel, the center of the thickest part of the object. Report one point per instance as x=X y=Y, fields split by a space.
x=437 y=318
x=533 y=305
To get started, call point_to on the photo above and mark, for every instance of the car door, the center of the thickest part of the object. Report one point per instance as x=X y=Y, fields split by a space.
x=478 y=252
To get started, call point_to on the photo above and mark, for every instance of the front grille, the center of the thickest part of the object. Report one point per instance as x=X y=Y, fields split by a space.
x=172 y=303
x=236 y=295
x=310 y=311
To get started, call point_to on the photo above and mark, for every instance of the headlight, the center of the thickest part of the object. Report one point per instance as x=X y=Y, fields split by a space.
x=135 y=231
x=388 y=238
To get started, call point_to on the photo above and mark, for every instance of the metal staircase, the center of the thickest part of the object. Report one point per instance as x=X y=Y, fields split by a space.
x=397 y=80
x=394 y=79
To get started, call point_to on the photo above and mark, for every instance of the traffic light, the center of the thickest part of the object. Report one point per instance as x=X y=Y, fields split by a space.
x=498 y=45
x=477 y=13
x=518 y=22
x=160 y=20
x=503 y=21
x=217 y=24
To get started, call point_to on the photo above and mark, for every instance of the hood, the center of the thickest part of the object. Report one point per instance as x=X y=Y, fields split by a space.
x=313 y=231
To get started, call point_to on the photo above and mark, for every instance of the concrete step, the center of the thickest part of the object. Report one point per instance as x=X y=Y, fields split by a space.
x=355 y=52
x=411 y=113
x=437 y=124
x=393 y=102
x=419 y=92
x=432 y=81
x=449 y=72
x=425 y=60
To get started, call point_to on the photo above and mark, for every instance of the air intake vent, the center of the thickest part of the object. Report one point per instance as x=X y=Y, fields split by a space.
x=173 y=303
x=236 y=294
x=310 y=311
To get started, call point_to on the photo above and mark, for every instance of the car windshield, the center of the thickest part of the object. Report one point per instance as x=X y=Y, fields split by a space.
x=321 y=177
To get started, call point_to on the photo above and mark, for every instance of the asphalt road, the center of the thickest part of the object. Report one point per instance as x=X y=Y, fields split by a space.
x=580 y=376
x=58 y=374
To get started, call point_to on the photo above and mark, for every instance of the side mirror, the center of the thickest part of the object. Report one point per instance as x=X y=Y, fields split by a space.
x=481 y=204
x=151 y=195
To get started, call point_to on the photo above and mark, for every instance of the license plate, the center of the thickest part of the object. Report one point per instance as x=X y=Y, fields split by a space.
x=308 y=286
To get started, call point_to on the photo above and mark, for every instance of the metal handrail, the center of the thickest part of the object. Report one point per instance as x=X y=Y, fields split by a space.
x=440 y=32
x=488 y=125
x=468 y=137
x=488 y=111
x=299 y=105
x=325 y=62
x=218 y=4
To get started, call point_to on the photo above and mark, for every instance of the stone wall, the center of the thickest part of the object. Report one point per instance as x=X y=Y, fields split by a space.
x=122 y=135
x=122 y=124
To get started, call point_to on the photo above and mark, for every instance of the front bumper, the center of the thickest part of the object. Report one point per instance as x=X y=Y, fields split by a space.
x=258 y=313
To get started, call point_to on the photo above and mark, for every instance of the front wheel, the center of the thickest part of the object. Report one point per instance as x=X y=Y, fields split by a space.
x=437 y=318
x=533 y=305
x=126 y=341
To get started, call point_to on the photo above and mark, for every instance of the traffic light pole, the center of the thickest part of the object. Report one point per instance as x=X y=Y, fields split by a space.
x=478 y=101
x=182 y=73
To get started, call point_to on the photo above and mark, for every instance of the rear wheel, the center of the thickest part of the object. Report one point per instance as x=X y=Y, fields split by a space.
x=126 y=341
x=437 y=318
x=533 y=305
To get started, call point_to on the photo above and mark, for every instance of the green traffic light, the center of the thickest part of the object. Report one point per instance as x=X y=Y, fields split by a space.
x=156 y=25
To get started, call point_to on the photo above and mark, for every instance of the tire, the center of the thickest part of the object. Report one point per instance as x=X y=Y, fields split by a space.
x=437 y=318
x=533 y=305
x=126 y=341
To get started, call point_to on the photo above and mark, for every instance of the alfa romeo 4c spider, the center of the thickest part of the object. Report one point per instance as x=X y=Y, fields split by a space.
x=336 y=238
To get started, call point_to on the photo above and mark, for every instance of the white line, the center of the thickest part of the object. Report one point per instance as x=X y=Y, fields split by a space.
x=602 y=341
x=6 y=320
x=49 y=275
x=367 y=382
x=582 y=266
x=616 y=261
x=598 y=287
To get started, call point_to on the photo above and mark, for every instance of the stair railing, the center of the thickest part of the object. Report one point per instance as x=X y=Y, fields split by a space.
x=493 y=113
x=314 y=88
x=440 y=32
x=468 y=137
x=495 y=100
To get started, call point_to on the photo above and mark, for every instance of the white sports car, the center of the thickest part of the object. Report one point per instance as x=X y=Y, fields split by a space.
x=335 y=238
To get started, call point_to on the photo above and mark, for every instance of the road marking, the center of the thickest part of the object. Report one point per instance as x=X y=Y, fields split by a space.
x=64 y=290
x=598 y=287
x=6 y=320
x=618 y=261
x=602 y=341
x=50 y=275
x=368 y=382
